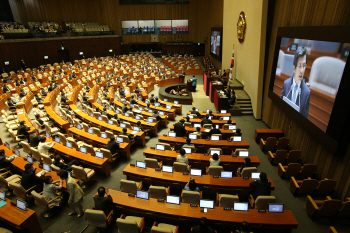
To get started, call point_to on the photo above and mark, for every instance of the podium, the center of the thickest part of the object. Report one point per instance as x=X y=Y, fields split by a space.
x=182 y=79
x=189 y=85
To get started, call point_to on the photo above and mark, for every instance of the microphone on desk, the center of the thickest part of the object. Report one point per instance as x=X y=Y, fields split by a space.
x=291 y=88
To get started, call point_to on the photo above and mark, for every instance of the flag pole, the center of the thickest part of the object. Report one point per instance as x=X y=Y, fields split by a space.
x=232 y=66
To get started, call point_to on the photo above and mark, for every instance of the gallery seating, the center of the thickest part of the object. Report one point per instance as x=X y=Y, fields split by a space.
x=327 y=208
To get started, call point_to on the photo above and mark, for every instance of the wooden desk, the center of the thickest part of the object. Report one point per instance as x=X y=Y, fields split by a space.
x=98 y=141
x=221 y=102
x=177 y=180
x=265 y=133
x=177 y=107
x=23 y=116
x=186 y=216
x=52 y=113
x=164 y=119
x=203 y=144
x=198 y=160
x=169 y=112
x=217 y=122
x=214 y=86
x=216 y=115
x=226 y=133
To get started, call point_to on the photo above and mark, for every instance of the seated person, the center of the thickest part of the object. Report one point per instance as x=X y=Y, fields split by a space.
x=246 y=164
x=182 y=158
x=11 y=104
x=215 y=160
x=43 y=147
x=131 y=137
x=38 y=111
x=64 y=99
x=238 y=132
x=147 y=131
x=192 y=186
x=188 y=143
x=43 y=92
x=38 y=99
x=155 y=115
x=5 y=162
x=261 y=187
x=151 y=99
x=112 y=145
x=198 y=132
x=203 y=227
x=22 y=94
x=60 y=163
x=14 y=99
x=214 y=130
x=41 y=122
x=103 y=201
x=50 y=190
x=23 y=130
x=29 y=179
x=245 y=228
x=206 y=120
x=34 y=138
x=125 y=108
x=211 y=114
x=195 y=112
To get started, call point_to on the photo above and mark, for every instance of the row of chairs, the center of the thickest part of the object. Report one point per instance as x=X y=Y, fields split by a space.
x=272 y=144
x=284 y=157
x=312 y=186
x=329 y=207
x=297 y=170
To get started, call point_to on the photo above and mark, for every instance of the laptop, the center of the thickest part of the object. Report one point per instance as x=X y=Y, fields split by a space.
x=212 y=152
x=226 y=174
x=91 y=114
x=122 y=125
x=2 y=196
x=168 y=169
x=210 y=117
x=29 y=159
x=276 y=208
x=140 y=108
x=21 y=205
x=142 y=194
x=99 y=154
x=47 y=135
x=136 y=130
x=79 y=127
x=46 y=167
x=172 y=134
x=138 y=118
x=160 y=147
x=57 y=139
x=117 y=111
x=209 y=204
x=223 y=111
x=215 y=138
x=161 y=113
x=193 y=136
x=90 y=131
x=120 y=139
x=168 y=107
x=17 y=153
x=188 y=150
x=150 y=111
x=176 y=102
x=226 y=118
x=69 y=145
x=190 y=116
x=243 y=153
x=100 y=118
x=150 y=120
x=83 y=150
x=110 y=122
x=173 y=200
x=197 y=125
x=196 y=172
x=255 y=176
x=104 y=135
x=140 y=164
x=240 y=206
x=126 y=114
x=165 y=100
x=232 y=127
x=237 y=138
x=156 y=104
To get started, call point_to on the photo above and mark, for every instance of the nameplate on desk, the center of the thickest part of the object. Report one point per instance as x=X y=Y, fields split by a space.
x=234 y=155
x=207 y=139
x=185 y=173
x=193 y=205
x=177 y=151
x=262 y=211
x=131 y=195
x=132 y=164
x=245 y=178
x=185 y=137
x=229 y=140
x=76 y=110
x=160 y=200
x=157 y=169
x=153 y=148
x=215 y=176
x=165 y=135
x=206 y=154
x=227 y=208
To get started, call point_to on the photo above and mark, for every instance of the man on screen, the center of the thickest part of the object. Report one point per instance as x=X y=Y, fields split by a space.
x=295 y=88
x=214 y=45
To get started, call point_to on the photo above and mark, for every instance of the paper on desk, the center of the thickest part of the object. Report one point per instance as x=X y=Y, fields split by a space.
x=76 y=110
x=207 y=130
x=2 y=203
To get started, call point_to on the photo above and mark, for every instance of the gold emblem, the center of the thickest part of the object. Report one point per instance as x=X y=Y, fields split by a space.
x=241 y=27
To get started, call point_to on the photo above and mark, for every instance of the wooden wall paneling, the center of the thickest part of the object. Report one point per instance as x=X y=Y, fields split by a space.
x=326 y=167
x=329 y=12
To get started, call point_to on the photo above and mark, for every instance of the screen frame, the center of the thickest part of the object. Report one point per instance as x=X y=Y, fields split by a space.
x=219 y=29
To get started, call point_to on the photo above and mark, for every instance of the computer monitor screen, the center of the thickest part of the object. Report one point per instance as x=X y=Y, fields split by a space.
x=243 y=153
x=138 y=118
x=46 y=167
x=140 y=164
x=176 y=102
x=161 y=113
x=29 y=159
x=57 y=139
x=240 y=206
x=140 y=108
x=188 y=150
x=104 y=135
x=215 y=138
x=226 y=118
x=120 y=139
x=146 y=101
x=47 y=135
x=150 y=111
x=126 y=114
x=21 y=205
x=209 y=204
x=165 y=100
x=99 y=154
x=196 y=172
x=190 y=116
x=79 y=127
x=117 y=111
x=210 y=117
x=90 y=131
x=232 y=127
x=142 y=194
x=69 y=145
x=137 y=129
x=255 y=175
x=83 y=149
x=156 y=104
x=139 y=98
x=100 y=118
x=223 y=111
x=173 y=200
x=17 y=152
x=197 y=125
x=150 y=120
x=7 y=145
x=225 y=174
x=208 y=110
x=172 y=134
x=193 y=136
x=91 y=114
x=2 y=195
x=166 y=168
x=122 y=125
x=168 y=107
x=212 y=152
x=110 y=122
x=160 y=147
x=237 y=138
x=276 y=208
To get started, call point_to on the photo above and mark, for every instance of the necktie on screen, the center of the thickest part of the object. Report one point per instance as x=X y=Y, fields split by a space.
x=295 y=93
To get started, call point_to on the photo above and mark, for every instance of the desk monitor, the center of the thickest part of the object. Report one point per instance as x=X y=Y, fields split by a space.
x=276 y=208
x=150 y=120
x=137 y=117
x=21 y=205
x=146 y=101
x=142 y=194
x=140 y=164
x=193 y=136
x=190 y=116
x=2 y=195
x=217 y=127
x=173 y=200
x=46 y=167
x=140 y=108
x=240 y=206
x=122 y=125
x=210 y=118
x=7 y=63
x=47 y=135
x=91 y=114
x=215 y=138
x=223 y=111
x=57 y=139
x=110 y=122
x=156 y=104
x=90 y=131
x=29 y=159
x=110 y=109
x=226 y=118
x=99 y=154
x=139 y=98
x=168 y=107
x=209 y=204
x=150 y=111
x=104 y=135
x=161 y=113
x=168 y=169
x=117 y=111
x=243 y=153
x=100 y=118
x=126 y=114
x=83 y=150
x=226 y=174
x=212 y=152
x=232 y=127
x=79 y=127
x=160 y=147
x=237 y=138
x=69 y=145
x=197 y=125
x=17 y=152
x=165 y=100
x=172 y=134
x=197 y=110
x=188 y=150
x=208 y=110
x=255 y=175
x=120 y=139
x=176 y=102
x=196 y=172
x=136 y=128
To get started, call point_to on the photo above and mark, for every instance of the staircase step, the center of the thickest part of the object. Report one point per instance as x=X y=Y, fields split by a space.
x=247 y=112
x=245 y=105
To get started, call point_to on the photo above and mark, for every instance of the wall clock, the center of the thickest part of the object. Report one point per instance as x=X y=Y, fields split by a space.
x=241 y=27
x=154 y=38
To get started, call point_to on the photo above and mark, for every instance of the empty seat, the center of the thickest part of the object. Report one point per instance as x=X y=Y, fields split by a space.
x=282 y=143
x=214 y=170
x=226 y=200
x=191 y=197
x=153 y=163
x=164 y=228
x=278 y=157
x=326 y=187
x=326 y=208
x=308 y=170
x=130 y=224
x=158 y=192
x=97 y=218
x=247 y=171
x=293 y=156
x=82 y=173
x=269 y=144
x=44 y=204
x=307 y=186
x=180 y=167
x=130 y=186
x=292 y=169
x=261 y=202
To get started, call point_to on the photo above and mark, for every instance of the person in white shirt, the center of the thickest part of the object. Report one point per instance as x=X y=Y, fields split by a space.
x=181 y=158
x=39 y=112
x=43 y=147
x=215 y=160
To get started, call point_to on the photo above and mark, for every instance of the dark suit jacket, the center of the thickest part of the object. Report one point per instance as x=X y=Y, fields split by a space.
x=214 y=131
x=197 y=229
x=4 y=162
x=34 y=140
x=112 y=146
x=5 y=89
x=179 y=129
x=196 y=113
x=157 y=117
x=103 y=203
x=29 y=179
x=22 y=94
x=303 y=98
x=206 y=121
x=260 y=188
x=22 y=130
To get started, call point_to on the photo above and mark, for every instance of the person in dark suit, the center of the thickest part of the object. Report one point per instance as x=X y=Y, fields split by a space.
x=64 y=99
x=195 y=112
x=214 y=130
x=29 y=179
x=22 y=94
x=206 y=120
x=103 y=201
x=155 y=115
x=246 y=164
x=133 y=101
x=11 y=104
x=151 y=99
x=38 y=99
x=238 y=132
x=131 y=137
x=23 y=65
x=179 y=128
x=5 y=89
x=58 y=162
x=34 y=138
x=203 y=227
x=43 y=92
x=5 y=162
x=113 y=146
x=261 y=187
x=125 y=108
x=104 y=112
x=17 y=83
x=23 y=130
x=295 y=88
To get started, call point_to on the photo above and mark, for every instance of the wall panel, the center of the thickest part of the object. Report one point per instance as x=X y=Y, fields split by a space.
x=308 y=13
